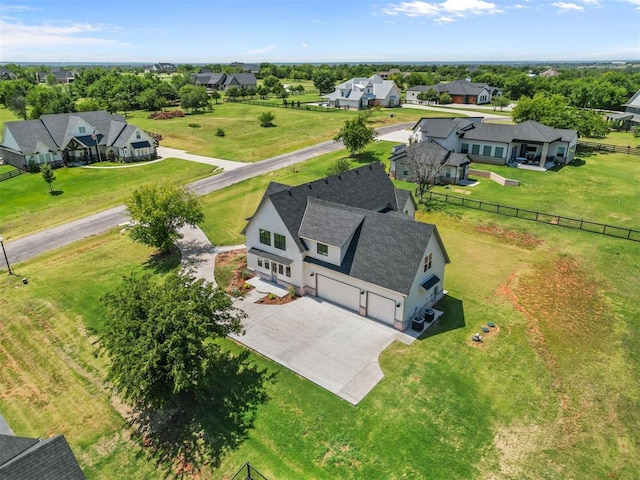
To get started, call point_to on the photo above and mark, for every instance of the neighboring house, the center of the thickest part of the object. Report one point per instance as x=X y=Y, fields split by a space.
x=388 y=73
x=6 y=74
x=62 y=75
x=239 y=80
x=551 y=72
x=350 y=239
x=632 y=111
x=160 y=68
x=461 y=91
x=530 y=141
x=247 y=67
x=61 y=139
x=364 y=92
x=212 y=81
x=445 y=165
x=24 y=458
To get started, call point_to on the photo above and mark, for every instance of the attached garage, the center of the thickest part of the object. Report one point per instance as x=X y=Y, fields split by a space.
x=339 y=292
x=381 y=308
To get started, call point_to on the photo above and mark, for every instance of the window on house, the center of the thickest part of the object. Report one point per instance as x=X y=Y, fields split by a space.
x=265 y=237
x=323 y=249
x=427 y=261
x=486 y=150
x=561 y=151
x=498 y=152
x=279 y=241
x=81 y=129
x=259 y=261
x=405 y=172
x=475 y=149
x=288 y=271
x=266 y=264
x=138 y=135
x=464 y=148
x=280 y=269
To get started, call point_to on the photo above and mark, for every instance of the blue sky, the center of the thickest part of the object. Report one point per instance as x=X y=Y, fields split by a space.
x=215 y=31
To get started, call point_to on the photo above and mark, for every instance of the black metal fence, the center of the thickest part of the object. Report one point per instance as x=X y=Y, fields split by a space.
x=607 y=147
x=247 y=472
x=10 y=174
x=291 y=104
x=532 y=215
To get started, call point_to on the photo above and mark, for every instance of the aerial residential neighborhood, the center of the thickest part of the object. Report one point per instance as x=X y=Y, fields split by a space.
x=284 y=241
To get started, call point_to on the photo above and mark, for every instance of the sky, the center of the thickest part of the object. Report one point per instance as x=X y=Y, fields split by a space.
x=310 y=31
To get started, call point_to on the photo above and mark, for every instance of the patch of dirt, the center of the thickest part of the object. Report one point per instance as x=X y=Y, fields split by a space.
x=236 y=259
x=271 y=299
x=513 y=237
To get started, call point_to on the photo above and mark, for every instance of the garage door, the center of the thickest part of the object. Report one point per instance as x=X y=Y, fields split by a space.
x=381 y=308
x=339 y=293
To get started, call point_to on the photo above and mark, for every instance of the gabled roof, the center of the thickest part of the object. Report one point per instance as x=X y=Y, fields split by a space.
x=366 y=187
x=436 y=154
x=634 y=101
x=32 y=459
x=328 y=222
x=444 y=127
x=386 y=250
x=354 y=89
x=240 y=79
x=457 y=87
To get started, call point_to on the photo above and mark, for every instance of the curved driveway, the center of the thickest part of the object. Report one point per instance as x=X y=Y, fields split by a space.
x=33 y=245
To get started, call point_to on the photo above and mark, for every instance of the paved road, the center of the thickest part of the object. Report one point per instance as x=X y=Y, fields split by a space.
x=33 y=245
x=456 y=111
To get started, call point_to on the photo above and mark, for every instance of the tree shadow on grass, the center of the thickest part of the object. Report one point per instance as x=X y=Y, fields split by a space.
x=452 y=318
x=365 y=157
x=201 y=431
x=55 y=193
x=163 y=262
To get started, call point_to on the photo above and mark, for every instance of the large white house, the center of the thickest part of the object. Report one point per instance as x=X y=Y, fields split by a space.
x=350 y=239
x=364 y=92
x=499 y=144
x=60 y=139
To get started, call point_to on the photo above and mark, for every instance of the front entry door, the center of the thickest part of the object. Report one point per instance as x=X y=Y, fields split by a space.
x=274 y=272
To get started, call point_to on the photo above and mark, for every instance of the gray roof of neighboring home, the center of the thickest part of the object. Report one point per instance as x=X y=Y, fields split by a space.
x=634 y=101
x=54 y=130
x=439 y=154
x=527 y=131
x=33 y=459
x=462 y=87
x=241 y=78
x=355 y=88
x=443 y=127
x=366 y=187
x=328 y=222
x=210 y=78
x=386 y=250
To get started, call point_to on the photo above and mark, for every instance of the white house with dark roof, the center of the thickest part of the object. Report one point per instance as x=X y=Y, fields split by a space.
x=363 y=93
x=527 y=142
x=461 y=91
x=61 y=139
x=350 y=239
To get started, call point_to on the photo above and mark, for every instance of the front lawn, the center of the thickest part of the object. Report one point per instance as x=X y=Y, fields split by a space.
x=27 y=206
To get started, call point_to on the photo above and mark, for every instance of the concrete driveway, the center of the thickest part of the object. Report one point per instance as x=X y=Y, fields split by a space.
x=328 y=345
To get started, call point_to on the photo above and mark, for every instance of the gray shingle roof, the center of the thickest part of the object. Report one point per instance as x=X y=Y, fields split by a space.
x=527 y=131
x=443 y=127
x=328 y=222
x=386 y=250
x=437 y=154
x=365 y=187
x=240 y=79
x=32 y=459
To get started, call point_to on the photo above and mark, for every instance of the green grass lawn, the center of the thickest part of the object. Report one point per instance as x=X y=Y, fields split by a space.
x=26 y=206
x=245 y=140
x=625 y=139
x=603 y=189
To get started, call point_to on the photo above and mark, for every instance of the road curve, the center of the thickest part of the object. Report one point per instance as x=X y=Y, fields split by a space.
x=33 y=245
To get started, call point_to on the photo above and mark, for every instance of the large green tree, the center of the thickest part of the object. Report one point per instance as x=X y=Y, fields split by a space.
x=45 y=100
x=159 y=211
x=324 y=81
x=356 y=134
x=159 y=337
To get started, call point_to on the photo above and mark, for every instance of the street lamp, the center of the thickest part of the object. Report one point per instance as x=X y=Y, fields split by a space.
x=5 y=257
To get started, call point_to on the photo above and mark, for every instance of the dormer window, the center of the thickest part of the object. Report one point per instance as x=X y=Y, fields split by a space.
x=323 y=249
x=81 y=129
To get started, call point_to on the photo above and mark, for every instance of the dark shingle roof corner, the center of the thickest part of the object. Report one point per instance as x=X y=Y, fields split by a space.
x=35 y=459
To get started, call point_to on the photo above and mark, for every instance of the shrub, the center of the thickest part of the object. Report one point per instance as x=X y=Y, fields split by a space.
x=291 y=290
x=166 y=115
x=32 y=166
x=272 y=296
x=220 y=132
x=236 y=292
x=246 y=286
x=266 y=119
x=246 y=273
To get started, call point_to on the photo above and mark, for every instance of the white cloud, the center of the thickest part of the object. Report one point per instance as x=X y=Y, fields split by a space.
x=635 y=3
x=443 y=12
x=258 y=51
x=18 y=34
x=15 y=8
x=519 y=6
x=304 y=45
x=567 y=7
